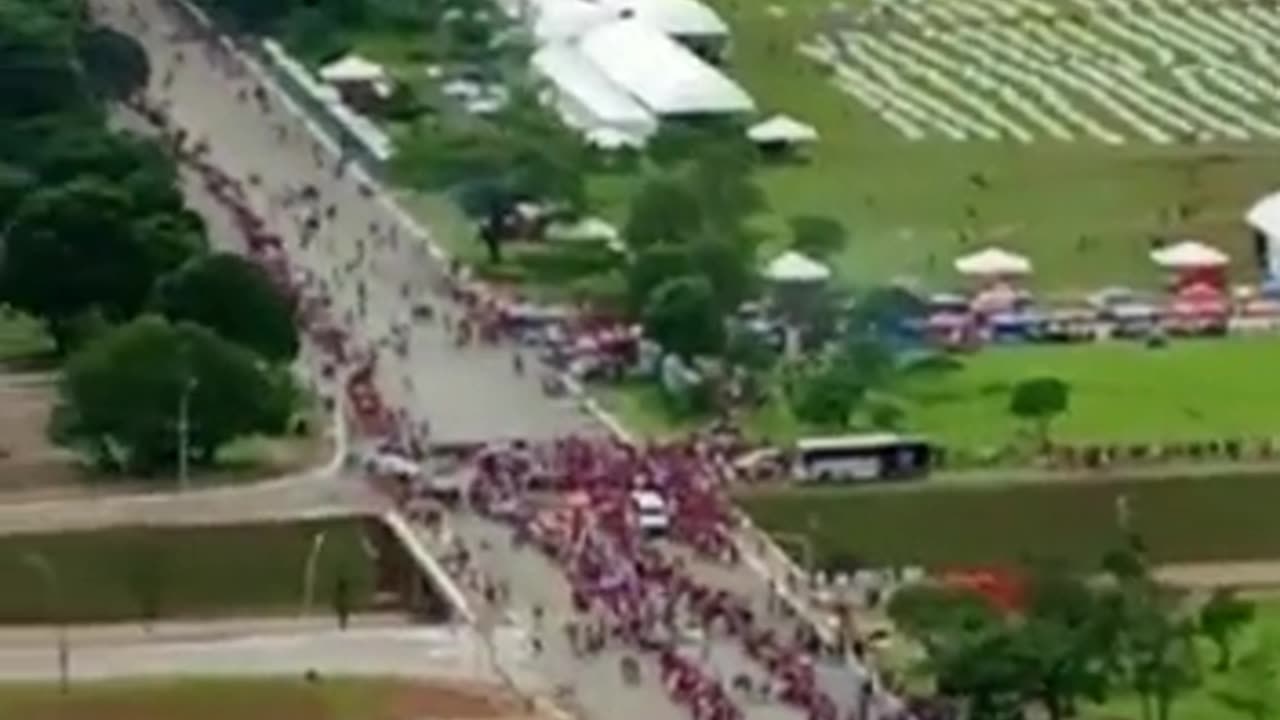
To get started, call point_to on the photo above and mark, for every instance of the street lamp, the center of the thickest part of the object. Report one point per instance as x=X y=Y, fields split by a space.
x=41 y=565
x=309 y=571
x=184 y=429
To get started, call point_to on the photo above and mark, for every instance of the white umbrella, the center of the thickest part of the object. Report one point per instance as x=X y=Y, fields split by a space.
x=782 y=129
x=353 y=68
x=1188 y=255
x=792 y=266
x=993 y=262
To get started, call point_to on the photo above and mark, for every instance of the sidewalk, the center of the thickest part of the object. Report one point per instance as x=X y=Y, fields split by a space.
x=175 y=631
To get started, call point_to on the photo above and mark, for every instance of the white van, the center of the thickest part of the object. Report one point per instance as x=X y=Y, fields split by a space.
x=651 y=511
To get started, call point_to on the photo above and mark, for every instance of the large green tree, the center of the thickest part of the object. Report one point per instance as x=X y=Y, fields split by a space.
x=236 y=299
x=38 y=71
x=681 y=315
x=1223 y=616
x=83 y=246
x=122 y=395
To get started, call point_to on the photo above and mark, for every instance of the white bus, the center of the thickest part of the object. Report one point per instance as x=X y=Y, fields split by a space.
x=866 y=457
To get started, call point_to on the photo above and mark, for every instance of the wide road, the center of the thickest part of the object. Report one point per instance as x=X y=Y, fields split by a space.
x=470 y=394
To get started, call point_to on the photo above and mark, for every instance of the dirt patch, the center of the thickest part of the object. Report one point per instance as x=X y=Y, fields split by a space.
x=29 y=462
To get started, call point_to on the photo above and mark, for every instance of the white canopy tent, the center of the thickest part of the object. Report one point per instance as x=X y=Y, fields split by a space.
x=589 y=101
x=782 y=129
x=351 y=69
x=993 y=262
x=667 y=78
x=677 y=18
x=1189 y=255
x=1264 y=216
x=796 y=267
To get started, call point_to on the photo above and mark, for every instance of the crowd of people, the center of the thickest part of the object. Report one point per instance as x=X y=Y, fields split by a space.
x=626 y=590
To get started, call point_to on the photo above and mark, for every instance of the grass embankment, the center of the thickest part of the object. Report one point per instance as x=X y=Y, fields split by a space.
x=1182 y=520
x=130 y=573
x=246 y=699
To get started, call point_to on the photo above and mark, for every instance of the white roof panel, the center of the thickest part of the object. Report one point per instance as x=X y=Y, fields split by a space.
x=573 y=74
x=681 y=18
x=661 y=73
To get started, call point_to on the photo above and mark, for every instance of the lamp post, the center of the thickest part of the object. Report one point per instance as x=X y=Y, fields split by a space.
x=309 y=571
x=41 y=565
x=184 y=429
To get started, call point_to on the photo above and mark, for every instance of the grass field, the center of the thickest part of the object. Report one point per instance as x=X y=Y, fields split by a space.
x=21 y=339
x=246 y=699
x=903 y=201
x=1189 y=390
x=1121 y=392
x=191 y=572
x=1201 y=519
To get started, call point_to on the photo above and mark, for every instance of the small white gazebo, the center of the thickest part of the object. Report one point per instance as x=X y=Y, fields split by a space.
x=782 y=130
x=1189 y=255
x=353 y=69
x=993 y=262
x=793 y=267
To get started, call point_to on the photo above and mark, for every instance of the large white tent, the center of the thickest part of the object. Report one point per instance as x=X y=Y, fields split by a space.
x=663 y=75
x=1189 y=255
x=588 y=100
x=677 y=18
x=993 y=262
x=565 y=20
x=796 y=267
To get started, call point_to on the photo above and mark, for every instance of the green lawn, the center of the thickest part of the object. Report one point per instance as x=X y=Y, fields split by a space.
x=22 y=339
x=237 y=699
x=1189 y=390
x=902 y=201
x=1182 y=519
x=187 y=572
x=1121 y=392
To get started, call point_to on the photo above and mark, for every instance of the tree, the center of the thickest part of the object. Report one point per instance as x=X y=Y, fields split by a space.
x=235 y=298
x=663 y=211
x=37 y=72
x=80 y=246
x=817 y=235
x=1222 y=618
x=1039 y=401
x=681 y=316
x=933 y=612
x=827 y=395
x=121 y=395
x=116 y=64
x=1252 y=687
x=721 y=180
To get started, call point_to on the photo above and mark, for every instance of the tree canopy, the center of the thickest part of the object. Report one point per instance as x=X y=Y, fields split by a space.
x=682 y=316
x=236 y=299
x=1039 y=401
x=121 y=396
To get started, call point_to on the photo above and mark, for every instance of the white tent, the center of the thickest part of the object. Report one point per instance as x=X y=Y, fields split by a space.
x=1188 y=255
x=993 y=262
x=795 y=267
x=588 y=100
x=782 y=129
x=678 y=18
x=662 y=74
x=1264 y=216
x=353 y=68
